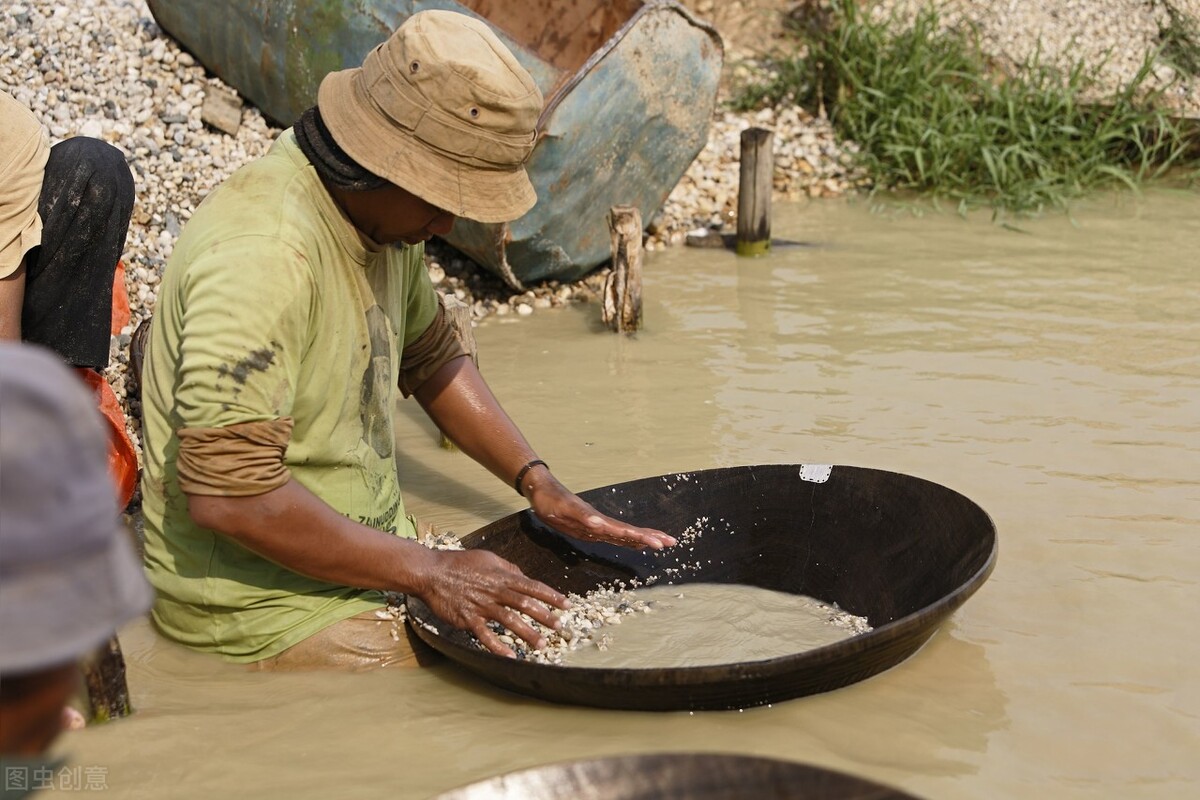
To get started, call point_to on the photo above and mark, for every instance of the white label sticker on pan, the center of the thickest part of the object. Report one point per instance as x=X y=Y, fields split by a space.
x=817 y=473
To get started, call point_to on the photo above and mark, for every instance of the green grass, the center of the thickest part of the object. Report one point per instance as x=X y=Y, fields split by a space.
x=774 y=82
x=932 y=116
x=1180 y=41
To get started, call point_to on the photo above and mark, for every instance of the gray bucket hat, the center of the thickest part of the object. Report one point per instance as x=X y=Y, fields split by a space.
x=68 y=574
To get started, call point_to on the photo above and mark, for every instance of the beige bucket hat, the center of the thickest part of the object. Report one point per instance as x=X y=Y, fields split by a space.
x=443 y=110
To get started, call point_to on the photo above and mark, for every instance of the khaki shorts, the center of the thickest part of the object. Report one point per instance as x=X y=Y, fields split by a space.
x=362 y=642
x=359 y=643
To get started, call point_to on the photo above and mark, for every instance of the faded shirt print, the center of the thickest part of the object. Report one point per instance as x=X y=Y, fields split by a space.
x=374 y=408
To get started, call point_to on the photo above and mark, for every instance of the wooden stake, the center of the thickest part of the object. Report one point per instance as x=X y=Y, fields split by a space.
x=622 y=310
x=754 y=193
x=458 y=314
x=104 y=676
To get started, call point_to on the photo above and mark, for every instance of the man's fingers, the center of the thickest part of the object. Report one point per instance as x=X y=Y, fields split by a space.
x=519 y=627
x=535 y=609
x=642 y=538
x=506 y=605
x=658 y=539
x=540 y=591
x=481 y=589
x=509 y=615
x=522 y=588
x=488 y=638
x=576 y=517
x=615 y=532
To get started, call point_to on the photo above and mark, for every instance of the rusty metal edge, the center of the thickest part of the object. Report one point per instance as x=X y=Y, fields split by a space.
x=600 y=54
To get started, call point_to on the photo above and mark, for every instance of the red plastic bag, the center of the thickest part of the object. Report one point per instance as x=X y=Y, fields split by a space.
x=120 y=301
x=122 y=458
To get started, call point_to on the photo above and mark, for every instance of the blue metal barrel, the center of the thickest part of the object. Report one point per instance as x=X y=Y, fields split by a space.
x=630 y=91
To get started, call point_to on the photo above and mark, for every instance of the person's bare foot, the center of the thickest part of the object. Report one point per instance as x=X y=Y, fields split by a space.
x=72 y=720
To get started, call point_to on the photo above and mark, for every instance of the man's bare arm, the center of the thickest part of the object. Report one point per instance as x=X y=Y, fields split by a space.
x=294 y=528
x=458 y=399
x=12 y=301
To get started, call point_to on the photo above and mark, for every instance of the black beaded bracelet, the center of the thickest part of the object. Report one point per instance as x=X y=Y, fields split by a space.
x=524 y=469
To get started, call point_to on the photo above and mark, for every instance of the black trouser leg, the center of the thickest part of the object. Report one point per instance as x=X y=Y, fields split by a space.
x=86 y=202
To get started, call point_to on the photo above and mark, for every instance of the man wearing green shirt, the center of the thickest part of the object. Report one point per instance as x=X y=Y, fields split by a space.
x=294 y=307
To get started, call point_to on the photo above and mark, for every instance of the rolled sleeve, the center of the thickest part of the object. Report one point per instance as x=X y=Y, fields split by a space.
x=236 y=461
x=438 y=345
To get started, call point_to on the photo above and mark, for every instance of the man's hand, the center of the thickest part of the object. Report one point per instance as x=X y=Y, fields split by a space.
x=469 y=588
x=466 y=588
x=568 y=513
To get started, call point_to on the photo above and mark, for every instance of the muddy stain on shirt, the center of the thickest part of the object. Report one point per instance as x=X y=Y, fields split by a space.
x=258 y=361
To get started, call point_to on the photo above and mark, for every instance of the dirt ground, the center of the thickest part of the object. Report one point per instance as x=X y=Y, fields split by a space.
x=749 y=27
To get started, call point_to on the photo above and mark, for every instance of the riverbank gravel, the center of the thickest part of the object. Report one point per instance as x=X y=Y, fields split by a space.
x=103 y=68
x=1114 y=36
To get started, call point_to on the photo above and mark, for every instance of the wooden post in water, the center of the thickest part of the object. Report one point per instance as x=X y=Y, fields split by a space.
x=622 y=310
x=104 y=676
x=754 y=193
x=458 y=314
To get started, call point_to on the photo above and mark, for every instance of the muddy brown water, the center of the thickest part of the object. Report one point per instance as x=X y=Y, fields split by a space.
x=1052 y=376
